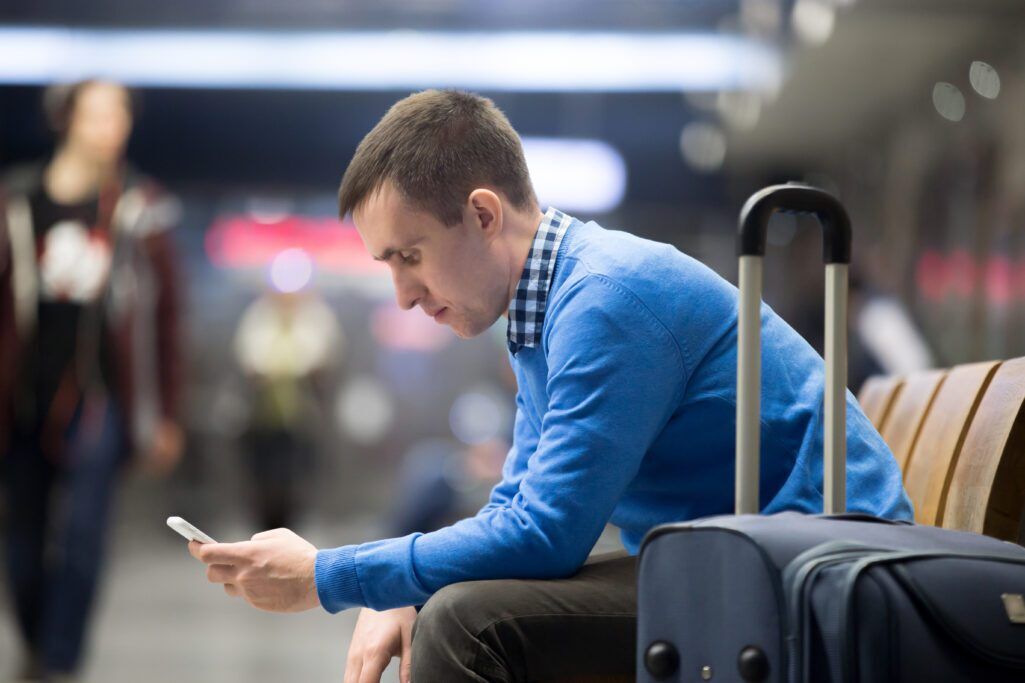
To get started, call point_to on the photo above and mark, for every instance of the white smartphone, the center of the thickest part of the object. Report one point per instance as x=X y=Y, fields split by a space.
x=188 y=531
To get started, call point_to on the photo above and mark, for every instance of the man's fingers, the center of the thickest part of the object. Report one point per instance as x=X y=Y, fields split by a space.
x=232 y=590
x=224 y=553
x=352 y=670
x=406 y=660
x=373 y=668
x=220 y=573
x=405 y=665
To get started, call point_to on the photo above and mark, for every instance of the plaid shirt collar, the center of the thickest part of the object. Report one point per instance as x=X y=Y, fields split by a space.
x=527 y=310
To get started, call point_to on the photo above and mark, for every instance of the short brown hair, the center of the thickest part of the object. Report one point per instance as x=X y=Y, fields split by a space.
x=437 y=146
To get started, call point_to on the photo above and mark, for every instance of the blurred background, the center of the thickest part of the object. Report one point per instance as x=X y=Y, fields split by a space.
x=658 y=117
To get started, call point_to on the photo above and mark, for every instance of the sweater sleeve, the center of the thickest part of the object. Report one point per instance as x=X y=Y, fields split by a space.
x=614 y=375
x=525 y=438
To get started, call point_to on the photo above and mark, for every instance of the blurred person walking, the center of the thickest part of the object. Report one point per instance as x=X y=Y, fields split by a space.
x=89 y=360
x=285 y=343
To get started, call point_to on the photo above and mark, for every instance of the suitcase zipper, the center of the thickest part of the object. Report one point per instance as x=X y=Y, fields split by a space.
x=807 y=567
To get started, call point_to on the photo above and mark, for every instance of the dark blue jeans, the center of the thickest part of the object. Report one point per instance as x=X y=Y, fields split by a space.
x=58 y=514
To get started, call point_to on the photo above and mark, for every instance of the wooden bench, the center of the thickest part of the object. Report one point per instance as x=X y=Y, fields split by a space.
x=929 y=466
x=987 y=488
x=877 y=397
x=959 y=438
x=904 y=419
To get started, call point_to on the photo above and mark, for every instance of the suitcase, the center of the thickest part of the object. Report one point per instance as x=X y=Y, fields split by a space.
x=833 y=597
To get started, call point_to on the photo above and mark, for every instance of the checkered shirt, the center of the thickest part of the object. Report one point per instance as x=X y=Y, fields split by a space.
x=527 y=310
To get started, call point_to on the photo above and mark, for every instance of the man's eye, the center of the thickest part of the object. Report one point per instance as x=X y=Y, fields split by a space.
x=407 y=258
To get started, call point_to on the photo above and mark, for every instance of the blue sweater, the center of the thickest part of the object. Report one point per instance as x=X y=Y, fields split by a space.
x=626 y=414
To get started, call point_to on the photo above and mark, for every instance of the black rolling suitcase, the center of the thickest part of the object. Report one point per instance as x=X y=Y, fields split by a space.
x=830 y=598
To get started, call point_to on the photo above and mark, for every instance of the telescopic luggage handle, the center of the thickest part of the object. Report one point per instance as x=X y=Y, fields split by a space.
x=836 y=230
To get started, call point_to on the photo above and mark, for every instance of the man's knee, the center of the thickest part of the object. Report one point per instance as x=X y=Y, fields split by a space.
x=446 y=635
x=453 y=612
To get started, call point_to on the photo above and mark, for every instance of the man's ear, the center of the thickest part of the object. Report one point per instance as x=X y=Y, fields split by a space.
x=484 y=211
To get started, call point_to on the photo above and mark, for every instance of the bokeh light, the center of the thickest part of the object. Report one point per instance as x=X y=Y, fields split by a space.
x=739 y=109
x=703 y=146
x=479 y=415
x=984 y=79
x=291 y=270
x=364 y=410
x=813 y=20
x=576 y=174
x=949 y=101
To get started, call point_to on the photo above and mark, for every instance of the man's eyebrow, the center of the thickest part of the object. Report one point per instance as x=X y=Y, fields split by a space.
x=391 y=251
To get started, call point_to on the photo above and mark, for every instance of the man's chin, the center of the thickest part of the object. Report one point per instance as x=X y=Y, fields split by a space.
x=463 y=333
x=465 y=330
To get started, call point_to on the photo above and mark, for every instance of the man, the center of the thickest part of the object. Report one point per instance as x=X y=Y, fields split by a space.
x=87 y=285
x=625 y=356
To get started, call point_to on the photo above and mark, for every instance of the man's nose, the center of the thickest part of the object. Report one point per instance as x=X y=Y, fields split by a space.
x=408 y=291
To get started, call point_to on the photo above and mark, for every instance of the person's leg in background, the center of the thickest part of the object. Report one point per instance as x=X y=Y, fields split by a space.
x=579 y=629
x=93 y=459
x=28 y=479
x=271 y=463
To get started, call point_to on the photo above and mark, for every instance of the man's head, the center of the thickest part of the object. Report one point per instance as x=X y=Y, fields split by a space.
x=439 y=190
x=92 y=118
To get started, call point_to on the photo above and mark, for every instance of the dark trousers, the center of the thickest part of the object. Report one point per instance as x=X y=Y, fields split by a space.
x=582 y=628
x=279 y=459
x=57 y=523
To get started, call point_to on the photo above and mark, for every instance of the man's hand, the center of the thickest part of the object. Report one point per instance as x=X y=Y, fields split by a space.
x=378 y=637
x=273 y=572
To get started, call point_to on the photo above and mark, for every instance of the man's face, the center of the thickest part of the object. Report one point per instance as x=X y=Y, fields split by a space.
x=455 y=274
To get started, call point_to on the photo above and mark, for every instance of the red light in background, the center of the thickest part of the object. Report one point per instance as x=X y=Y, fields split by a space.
x=956 y=274
x=931 y=275
x=999 y=280
x=1018 y=280
x=241 y=241
x=961 y=273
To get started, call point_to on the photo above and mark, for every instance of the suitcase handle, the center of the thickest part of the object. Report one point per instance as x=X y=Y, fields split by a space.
x=836 y=229
x=795 y=198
